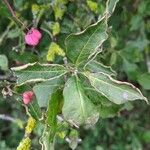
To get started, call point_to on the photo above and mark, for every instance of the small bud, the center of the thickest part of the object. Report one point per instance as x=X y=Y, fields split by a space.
x=33 y=37
x=27 y=97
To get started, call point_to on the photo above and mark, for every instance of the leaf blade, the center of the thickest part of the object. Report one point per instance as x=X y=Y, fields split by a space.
x=81 y=45
x=44 y=90
x=116 y=91
x=77 y=107
x=52 y=111
x=38 y=72
x=111 y=4
x=96 y=67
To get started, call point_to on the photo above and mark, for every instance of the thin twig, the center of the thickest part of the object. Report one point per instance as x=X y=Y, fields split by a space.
x=13 y=120
x=7 y=118
x=14 y=14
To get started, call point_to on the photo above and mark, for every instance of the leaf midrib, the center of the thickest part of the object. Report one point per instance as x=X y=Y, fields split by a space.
x=47 y=85
x=41 y=71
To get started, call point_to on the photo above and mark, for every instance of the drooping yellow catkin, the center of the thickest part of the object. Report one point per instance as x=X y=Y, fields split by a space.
x=30 y=125
x=25 y=144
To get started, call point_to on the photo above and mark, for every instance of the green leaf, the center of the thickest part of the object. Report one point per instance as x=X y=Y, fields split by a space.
x=45 y=139
x=73 y=139
x=93 y=95
x=106 y=108
x=116 y=91
x=38 y=72
x=109 y=111
x=92 y=5
x=80 y=46
x=113 y=42
x=34 y=110
x=54 y=105
x=59 y=8
x=131 y=69
x=144 y=81
x=62 y=129
x=127 y=106
x=146 y=136
x=54 y=49
x=111 y=4
x=77 y=108
x=35 y=9
x=3 y=62
x=96 y=67
x=96 y=97
x=44 y=90
x=55 y=28
x=14 y=33
x=24 y=57
x=53 y=109
x=59 y=13
x=113 y=58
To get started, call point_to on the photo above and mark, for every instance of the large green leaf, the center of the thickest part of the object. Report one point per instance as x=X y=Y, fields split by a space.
x=81 y=46
x=44 y=90
x=96 y=67
x=116 y=91
x=38 y=72
x=77 y=108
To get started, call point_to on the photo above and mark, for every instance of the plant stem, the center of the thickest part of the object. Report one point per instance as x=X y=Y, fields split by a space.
x=7 y=118
x=13 y=13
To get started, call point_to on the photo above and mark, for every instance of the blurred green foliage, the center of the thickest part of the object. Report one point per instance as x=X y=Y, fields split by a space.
x=127 y=51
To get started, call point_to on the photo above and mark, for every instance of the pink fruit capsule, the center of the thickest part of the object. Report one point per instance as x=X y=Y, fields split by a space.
x=33 y=37
x=27 y=97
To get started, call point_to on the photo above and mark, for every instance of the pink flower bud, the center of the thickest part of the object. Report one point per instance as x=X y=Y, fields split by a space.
x=27 y=97
x=33 y=37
